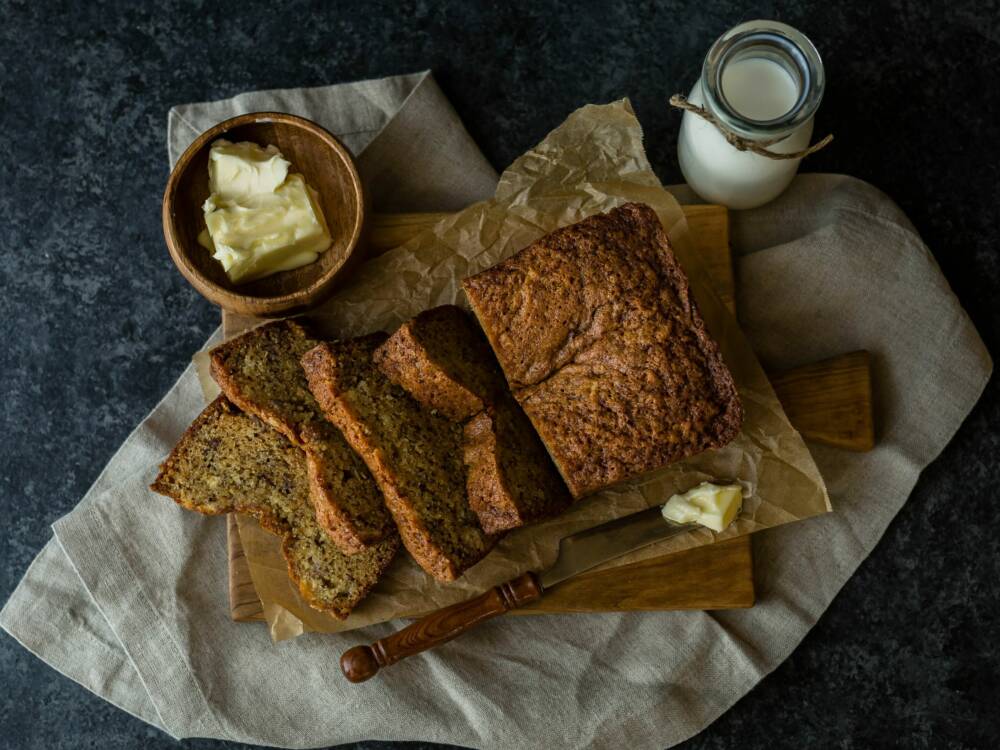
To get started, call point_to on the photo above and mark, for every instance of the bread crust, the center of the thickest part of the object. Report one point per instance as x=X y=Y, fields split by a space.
x=489 y=494
x=511 y=479
x=441 y=359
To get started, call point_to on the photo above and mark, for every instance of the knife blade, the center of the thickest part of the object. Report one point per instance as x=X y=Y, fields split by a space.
x=591 y=547
x=577 y=552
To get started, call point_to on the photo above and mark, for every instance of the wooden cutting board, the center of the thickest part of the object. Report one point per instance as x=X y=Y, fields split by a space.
x=828 y=402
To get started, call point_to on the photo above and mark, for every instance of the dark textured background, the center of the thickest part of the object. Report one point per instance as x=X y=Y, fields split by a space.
x=97 y=324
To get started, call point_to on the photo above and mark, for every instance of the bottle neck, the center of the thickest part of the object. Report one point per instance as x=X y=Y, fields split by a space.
x=763 y=80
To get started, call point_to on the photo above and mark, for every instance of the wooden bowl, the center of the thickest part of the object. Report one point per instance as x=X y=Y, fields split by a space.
x=326 y=165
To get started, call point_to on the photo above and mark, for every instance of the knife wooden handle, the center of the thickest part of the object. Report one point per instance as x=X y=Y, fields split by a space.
x=362 y=662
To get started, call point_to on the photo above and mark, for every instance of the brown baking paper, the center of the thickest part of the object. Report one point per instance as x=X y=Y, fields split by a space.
x=591 y=163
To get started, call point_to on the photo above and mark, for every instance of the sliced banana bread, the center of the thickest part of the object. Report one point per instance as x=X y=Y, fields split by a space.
x=414 y=454
x=511 y=480
x=604 y=348
x=260 y=373
x=229 y=461
x=442 y=359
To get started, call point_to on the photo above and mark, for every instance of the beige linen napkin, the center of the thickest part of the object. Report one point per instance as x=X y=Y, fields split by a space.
x=128 y=598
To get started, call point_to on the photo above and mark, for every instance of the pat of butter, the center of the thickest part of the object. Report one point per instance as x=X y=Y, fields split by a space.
x=259 y=218
x=711 y=505
x=240 y=170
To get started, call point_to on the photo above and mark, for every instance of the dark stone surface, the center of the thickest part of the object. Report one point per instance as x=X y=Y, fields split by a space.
x=97 y=323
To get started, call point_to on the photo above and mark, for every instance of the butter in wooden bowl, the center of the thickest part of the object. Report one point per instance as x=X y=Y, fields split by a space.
x=260 y=217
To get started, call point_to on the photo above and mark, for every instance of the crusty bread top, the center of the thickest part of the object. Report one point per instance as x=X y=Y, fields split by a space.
x=602 y=343
x=441 y=358
x=229 y=461
x=413 y=453
x=260 y=372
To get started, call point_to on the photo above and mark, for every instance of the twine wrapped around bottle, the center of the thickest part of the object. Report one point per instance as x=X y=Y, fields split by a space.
x=746 y=144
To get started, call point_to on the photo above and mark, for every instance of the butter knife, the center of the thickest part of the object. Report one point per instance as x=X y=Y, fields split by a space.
x=578 y=552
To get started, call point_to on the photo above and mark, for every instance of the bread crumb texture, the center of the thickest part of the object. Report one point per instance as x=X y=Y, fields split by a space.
x=261 y=372
x=229 y=461
x=414 y=454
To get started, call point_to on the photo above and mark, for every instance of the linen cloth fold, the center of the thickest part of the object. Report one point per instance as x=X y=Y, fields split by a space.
x=128 y=598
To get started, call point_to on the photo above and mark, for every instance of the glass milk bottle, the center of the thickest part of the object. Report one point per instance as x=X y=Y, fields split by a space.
x=763 y=82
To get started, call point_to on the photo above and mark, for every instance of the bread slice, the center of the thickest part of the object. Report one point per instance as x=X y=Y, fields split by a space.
x=260 y=373
x=442 y=359
x=414 y=454
x=511 y=480
x=229 y=461
x=602 y=343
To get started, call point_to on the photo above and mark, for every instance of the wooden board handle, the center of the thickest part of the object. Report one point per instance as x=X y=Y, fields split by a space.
x=830 y=402
x=362 y=662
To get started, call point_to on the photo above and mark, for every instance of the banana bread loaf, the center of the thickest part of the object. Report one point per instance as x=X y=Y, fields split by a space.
x=229 y=461
x=603 y=346
x=414 y=454
x=260 y=372
x=441 y=358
